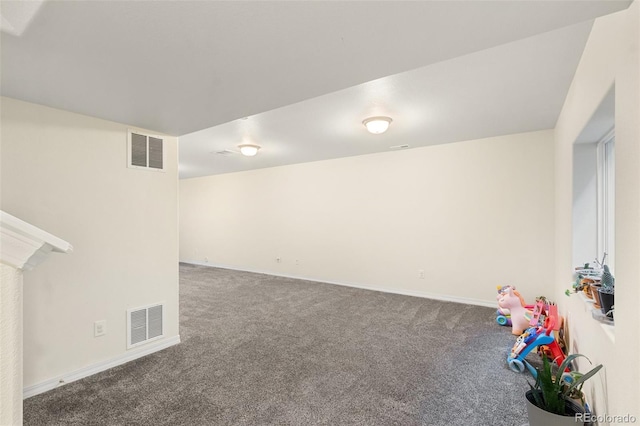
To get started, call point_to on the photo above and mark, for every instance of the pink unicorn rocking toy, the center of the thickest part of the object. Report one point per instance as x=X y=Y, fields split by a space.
x=520 y=316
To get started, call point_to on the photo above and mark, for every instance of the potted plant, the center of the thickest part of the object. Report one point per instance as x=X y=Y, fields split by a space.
x=607 y=292
x=551 y=401
x=581 y=284
x=587 y=279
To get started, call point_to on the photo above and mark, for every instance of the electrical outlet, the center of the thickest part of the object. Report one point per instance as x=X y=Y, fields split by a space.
x=297 y=262
x=278 y=260
x=99 y=328
x=421 y=274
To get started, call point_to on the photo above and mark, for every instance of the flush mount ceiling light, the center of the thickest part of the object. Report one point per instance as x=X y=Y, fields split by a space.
x=377 y=125
x=249 y=149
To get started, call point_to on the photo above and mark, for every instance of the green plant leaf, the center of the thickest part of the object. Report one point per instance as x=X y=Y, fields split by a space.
x=553 y=393
x=551 y=389
x=568 y=360
x=584 y=377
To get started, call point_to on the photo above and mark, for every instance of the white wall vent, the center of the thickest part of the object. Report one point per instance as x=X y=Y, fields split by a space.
x=145 y=151
x=145 y=324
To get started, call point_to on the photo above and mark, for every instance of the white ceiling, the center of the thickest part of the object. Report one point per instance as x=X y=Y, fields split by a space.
x=473 y=69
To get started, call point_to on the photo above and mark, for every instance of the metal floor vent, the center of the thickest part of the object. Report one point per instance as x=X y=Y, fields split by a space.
x=144 y=324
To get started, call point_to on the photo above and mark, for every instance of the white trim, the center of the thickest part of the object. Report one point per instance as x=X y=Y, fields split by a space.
x=605 y=187
x=24 y=246
x=425 y=295
x=58 y=381
x=600 y=207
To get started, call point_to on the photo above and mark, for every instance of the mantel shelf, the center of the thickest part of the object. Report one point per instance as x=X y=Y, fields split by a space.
x=24 y=246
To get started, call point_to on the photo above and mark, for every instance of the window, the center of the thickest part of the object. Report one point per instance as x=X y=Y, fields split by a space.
x=145 y=151
x=606 y=197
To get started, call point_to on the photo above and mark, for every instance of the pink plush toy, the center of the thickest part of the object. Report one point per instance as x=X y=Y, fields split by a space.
x=520 y=316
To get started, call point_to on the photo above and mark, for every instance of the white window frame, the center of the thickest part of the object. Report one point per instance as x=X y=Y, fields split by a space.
x=606 y=197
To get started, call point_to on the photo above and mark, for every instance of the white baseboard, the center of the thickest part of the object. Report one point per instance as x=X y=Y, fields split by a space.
x=426 y=295
x=55 y=382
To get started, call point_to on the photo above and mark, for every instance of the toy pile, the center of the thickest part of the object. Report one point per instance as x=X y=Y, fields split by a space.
x=537 y=326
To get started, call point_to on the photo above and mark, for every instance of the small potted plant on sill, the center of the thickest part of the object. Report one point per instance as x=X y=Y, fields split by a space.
x=552 y=399
x=607 y=292
x=581 y=284
x=587 y=279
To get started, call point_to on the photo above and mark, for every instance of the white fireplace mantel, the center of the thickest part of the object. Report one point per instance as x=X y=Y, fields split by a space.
x=23 y=246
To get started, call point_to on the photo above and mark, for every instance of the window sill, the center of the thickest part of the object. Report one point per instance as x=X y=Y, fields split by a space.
x=608 y=328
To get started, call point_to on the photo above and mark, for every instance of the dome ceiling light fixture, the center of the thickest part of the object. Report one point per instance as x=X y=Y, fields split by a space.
x=377 y=125
x=249 y=149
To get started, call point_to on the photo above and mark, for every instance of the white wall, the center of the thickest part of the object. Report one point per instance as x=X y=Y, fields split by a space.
x=67 y=173
x=610 y=57
x=585 y=204
x=472 y=215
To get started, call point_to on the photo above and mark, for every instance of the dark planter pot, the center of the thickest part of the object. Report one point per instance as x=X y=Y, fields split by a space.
x=596 y=295
x=539 y=417
x=606 y=302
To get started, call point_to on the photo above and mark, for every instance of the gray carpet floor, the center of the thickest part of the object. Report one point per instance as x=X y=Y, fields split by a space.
x=264 y=350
